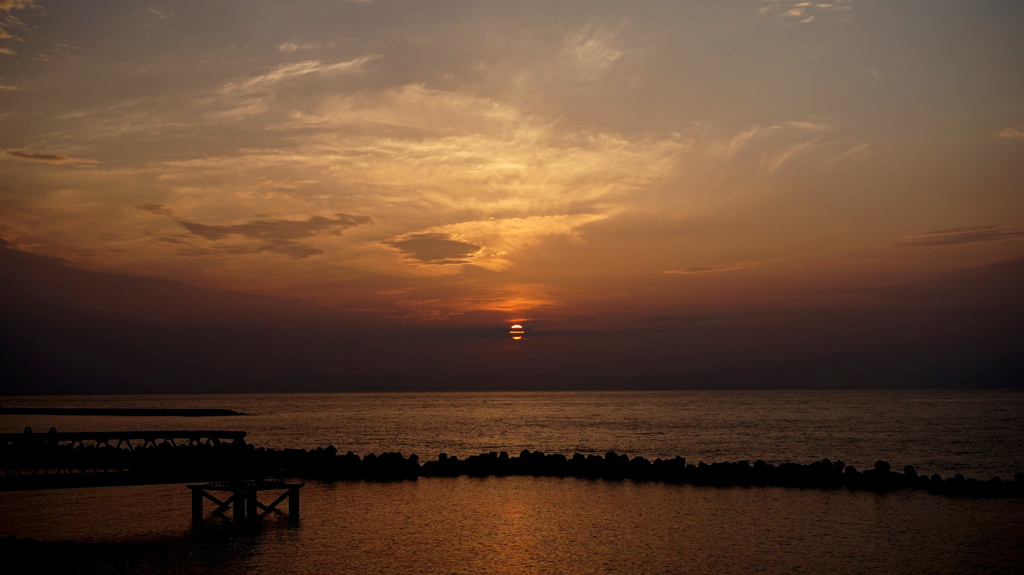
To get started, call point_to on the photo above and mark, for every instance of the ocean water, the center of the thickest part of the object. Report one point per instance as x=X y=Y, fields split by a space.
x=538 y=525
x=979 y=433
x=553 y=525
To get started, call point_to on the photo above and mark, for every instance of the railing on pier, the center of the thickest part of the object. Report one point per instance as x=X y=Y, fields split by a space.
x=54 y=459
x=129 y=440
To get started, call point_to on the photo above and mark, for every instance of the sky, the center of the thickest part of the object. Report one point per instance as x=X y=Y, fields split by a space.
x=340 y=195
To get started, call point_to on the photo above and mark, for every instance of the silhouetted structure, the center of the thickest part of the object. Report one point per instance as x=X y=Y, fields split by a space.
x=244 y=499
x=48 y=460
x=83 y=459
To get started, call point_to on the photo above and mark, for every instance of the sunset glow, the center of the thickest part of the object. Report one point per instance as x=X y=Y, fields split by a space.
x=664 y=190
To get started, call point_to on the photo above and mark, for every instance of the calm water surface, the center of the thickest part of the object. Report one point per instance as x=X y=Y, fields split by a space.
x=546 y=525
x=550 y=525
x=979 y=433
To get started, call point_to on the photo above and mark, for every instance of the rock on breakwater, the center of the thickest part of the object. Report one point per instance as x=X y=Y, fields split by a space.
x=24 y=468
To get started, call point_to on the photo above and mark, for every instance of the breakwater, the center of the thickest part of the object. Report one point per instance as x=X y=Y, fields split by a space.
x=824 y=474
x=40 y=464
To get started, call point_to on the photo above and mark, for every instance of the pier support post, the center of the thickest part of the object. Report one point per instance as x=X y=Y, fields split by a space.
x=197 y=506
x=251 y=503
x=293 y=503
x=238 y=505
x=244 y=500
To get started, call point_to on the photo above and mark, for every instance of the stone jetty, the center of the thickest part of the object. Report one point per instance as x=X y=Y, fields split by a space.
x=825 y=474
x=49 y=464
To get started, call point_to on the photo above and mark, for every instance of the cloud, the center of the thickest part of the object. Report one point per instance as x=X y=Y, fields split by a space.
x=279 y=236
x=291 y=71
x=156 y=209
x=293 y=47
x=766 y=149
x=473 y=169
x=8 y=21
x=855 y=153
x=956 y=236
x=58 y=51
x=804 y=12
x=435 y=249
x=492 y=243
x=719 y=268
x=9 y=5
x=774 y=144
x=1013 y=133
x=50 y=158
x=590 y=53
x=812 y=126
x=411 y=110
x=161 y=14
x=704 y=269
x=277 y=229
x=771 y=164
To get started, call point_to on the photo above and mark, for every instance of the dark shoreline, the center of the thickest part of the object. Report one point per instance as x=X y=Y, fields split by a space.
x=119 y=411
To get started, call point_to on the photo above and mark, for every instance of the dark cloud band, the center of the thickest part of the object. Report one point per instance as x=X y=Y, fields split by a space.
x=280 y=236
x=437 y=249
x=51 y=158
x=956 y=236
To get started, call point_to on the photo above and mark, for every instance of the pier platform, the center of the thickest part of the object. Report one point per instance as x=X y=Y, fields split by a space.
x=243 y=499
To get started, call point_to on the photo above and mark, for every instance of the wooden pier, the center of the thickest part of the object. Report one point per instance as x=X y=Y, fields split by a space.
x=243 y=499
x=54 y=460
x=130 y=440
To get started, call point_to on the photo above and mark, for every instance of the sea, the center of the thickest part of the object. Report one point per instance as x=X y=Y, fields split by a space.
x=563 y=525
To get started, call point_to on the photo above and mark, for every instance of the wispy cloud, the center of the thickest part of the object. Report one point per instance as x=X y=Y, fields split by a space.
x=161 y=14
x=10 y=22
x=591 y=52
x=774 y=143
x=290 y=71
x=704 y=269
x=772 y=163
x=768 y=148
x=719 y=267
x=853 y=153
x=8 y=5
x=804 y=12
x=58 y=52
x=726 y=148
x=1013 y=133
x=294 y=47
x=48 y=158
x=957 y=236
